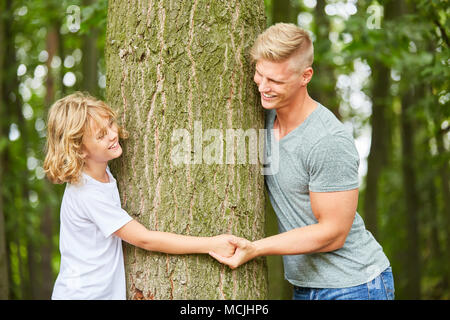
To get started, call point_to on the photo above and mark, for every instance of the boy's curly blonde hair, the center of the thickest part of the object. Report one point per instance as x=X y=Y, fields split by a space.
x=69 y=119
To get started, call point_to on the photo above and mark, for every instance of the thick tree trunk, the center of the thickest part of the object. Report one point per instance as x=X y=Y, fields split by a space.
x=185 y=65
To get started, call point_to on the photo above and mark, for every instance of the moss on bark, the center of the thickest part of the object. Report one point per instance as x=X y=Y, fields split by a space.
x=169 y=64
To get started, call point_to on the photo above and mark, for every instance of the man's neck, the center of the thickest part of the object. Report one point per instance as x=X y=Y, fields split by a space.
x=291 y=117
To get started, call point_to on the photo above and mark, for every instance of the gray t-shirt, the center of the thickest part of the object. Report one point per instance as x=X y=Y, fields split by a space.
x=319 y=156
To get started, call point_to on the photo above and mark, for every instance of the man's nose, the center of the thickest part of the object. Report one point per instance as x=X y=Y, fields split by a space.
x=262 y=87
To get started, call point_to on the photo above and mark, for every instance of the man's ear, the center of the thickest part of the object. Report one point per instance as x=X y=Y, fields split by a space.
x=307 y=75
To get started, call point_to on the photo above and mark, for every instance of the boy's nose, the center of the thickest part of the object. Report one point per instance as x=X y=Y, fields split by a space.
x=112 y=134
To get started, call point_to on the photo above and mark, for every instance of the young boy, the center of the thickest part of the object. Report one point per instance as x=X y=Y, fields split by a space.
x=82 y=137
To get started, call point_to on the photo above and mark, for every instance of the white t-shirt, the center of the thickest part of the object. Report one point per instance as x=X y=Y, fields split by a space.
x=92 y=264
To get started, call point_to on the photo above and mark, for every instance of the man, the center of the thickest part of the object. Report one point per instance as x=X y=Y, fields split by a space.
x=327 y=252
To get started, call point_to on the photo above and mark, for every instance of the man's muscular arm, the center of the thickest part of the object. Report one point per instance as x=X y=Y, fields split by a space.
x=335 y=212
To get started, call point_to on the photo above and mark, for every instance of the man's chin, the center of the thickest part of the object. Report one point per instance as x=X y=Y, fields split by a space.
x=268 y=105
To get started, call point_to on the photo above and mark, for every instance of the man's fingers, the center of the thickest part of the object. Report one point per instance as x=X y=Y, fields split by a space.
x=239 y=242
x=242 y=243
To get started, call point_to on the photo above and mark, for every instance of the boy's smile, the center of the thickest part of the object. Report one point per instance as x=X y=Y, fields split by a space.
x=101 y=144
x=115 y=145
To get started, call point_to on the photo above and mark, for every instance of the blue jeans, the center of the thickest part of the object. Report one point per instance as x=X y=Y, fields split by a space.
x=380 y=288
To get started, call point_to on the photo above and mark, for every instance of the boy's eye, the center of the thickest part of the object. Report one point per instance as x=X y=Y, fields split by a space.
x=101 y=134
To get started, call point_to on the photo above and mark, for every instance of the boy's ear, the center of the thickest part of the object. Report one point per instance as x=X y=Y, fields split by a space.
x=83 y=152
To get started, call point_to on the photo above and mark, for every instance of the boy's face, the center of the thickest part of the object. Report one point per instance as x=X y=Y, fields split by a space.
x=101 y=142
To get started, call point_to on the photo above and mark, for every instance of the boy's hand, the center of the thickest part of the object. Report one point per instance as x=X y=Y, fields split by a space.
x=245 y=251
x=224 y=244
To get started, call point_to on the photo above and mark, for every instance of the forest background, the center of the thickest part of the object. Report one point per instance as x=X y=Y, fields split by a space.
x=381 y=66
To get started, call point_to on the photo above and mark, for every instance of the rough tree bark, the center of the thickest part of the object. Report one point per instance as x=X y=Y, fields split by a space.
x=173 y=65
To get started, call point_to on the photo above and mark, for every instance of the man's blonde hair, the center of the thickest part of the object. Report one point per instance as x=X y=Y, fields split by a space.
x=69 y=119
x=282 y=41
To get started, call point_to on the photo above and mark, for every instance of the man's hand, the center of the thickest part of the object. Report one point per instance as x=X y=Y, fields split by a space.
x=245 y=251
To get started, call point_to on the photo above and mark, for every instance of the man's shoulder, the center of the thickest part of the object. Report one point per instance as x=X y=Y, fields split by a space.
x=322 y=129
x=326 y=122
x=325 y=126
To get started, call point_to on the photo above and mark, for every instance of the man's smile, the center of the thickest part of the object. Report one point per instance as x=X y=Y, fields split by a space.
x=268 y=97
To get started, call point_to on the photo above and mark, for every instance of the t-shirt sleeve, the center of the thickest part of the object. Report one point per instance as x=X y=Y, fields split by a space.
x=333 y=165
x=107 y=215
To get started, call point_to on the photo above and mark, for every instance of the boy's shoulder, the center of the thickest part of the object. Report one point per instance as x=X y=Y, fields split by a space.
x=84 y=190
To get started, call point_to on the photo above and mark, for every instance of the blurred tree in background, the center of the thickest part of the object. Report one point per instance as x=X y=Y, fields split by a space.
x=381 y=66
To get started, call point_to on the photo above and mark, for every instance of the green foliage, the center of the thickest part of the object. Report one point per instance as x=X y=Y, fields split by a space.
x=415 y=47
x=26 y=194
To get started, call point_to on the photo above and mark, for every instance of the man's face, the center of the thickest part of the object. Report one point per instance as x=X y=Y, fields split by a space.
x=279 y=85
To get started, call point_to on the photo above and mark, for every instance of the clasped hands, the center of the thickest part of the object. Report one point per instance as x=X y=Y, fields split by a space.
x=232 y=251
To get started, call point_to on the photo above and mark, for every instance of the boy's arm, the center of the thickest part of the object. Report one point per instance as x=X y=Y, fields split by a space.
x=136 y=234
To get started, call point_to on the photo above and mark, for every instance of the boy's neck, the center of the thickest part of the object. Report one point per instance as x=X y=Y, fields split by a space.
x=97 y=172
